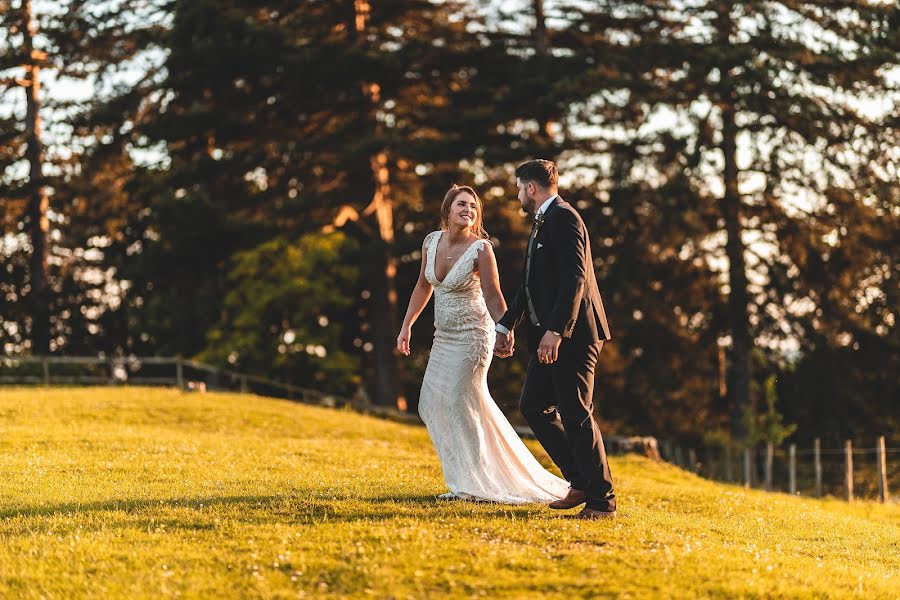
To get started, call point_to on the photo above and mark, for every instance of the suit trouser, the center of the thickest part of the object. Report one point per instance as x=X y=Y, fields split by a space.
x=557 y=402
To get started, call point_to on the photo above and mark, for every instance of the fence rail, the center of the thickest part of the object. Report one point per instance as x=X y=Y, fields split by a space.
x=846 y=472
x=185 y=374
x=849 y=472
x=192 y=375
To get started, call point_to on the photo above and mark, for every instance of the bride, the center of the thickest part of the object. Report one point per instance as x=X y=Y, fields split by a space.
x=481 y=455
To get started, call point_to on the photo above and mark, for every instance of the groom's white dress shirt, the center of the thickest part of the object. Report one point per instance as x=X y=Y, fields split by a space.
x=539 y=212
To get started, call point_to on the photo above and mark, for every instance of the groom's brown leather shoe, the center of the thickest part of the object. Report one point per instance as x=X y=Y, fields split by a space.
x=589 y=514
x=572 y=499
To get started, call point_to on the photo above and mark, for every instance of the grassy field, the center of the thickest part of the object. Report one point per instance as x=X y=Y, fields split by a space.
x=145 y=493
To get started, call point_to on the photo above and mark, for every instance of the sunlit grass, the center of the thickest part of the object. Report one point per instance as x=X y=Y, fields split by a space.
x=146 y=493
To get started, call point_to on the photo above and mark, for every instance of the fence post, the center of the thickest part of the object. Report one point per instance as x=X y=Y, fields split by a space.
x=711 y=462
x=679 y=458
x=692 y=460
x=792 y=468
x=244 y=388
x=817 y=465
x=883 y=492
x=729 y=475
x=770 y=458
x=848 y=471
x=46 y=365
x=179 y=372
x=748 y=477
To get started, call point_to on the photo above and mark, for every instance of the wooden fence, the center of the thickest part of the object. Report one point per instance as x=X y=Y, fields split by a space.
x=178 y=372
x=845 y=472
x=184 y=374
x=857 y=475
x=191 y=375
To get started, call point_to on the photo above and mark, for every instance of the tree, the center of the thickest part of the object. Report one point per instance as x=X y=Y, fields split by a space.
x=274 y=289
x=342 y=116
x=91 y=42
x=242 y=139
x=30 y=60
x=732 y=103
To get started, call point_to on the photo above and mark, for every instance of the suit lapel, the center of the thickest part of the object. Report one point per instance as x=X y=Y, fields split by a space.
x=546 y=216
x=533 y=239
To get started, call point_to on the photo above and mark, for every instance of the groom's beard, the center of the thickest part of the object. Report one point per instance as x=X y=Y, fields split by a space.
x=529 y=206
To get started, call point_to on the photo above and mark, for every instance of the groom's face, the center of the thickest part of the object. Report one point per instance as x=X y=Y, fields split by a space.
x=526 y=191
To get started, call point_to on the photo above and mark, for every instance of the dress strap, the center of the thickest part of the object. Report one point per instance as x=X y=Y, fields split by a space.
x=431 y=241
x=471 y=255
x=477 y=247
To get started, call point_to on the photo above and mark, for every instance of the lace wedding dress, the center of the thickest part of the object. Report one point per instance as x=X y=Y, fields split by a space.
x=481 y=455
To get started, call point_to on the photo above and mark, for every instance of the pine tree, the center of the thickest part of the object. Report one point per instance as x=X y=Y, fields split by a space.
x=350 y=116
x=24 y=55
x=756 y=112
x=52 y=169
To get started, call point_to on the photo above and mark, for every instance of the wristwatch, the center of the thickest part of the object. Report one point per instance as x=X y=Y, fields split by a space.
x=556 y=333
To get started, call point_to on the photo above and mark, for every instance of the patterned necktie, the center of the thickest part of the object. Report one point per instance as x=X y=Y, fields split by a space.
x=535 y=227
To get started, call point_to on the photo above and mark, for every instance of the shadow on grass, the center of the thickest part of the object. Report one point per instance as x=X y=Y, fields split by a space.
x=133 y=505
x=297 y=508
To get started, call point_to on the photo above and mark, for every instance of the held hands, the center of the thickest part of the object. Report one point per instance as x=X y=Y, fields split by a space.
x=504 y=344
x=403 y=340
x=548 y=350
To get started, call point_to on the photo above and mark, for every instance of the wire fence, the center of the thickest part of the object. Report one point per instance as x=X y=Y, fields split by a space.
x=848 y=472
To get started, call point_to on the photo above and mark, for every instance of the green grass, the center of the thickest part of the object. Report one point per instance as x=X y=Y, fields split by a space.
x=146 y=493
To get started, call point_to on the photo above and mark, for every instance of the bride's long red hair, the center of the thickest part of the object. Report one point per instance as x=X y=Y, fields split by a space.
x=452 y=193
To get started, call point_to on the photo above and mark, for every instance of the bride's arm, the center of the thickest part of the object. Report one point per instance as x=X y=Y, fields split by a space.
x=490 y=282
x=417 y=301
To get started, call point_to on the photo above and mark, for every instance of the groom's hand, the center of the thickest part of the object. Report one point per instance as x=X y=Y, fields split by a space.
x=548 y=350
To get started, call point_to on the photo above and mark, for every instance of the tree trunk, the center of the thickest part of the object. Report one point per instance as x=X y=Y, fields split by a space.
x=541 y=49
x=38 y=201
x=740 y=374
x=540 y=28
x=738 y=320
x=384 y=291
x=384 y=333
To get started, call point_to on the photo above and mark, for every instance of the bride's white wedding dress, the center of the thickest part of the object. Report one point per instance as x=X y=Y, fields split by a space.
x=481 y=455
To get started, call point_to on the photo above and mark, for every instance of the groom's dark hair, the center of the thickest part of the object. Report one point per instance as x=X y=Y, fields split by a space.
x=540 y=171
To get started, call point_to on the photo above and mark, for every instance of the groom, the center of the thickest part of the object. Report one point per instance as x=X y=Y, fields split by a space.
x=560 y=301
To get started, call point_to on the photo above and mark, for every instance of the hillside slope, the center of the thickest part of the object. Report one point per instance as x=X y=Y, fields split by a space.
x=136 y=492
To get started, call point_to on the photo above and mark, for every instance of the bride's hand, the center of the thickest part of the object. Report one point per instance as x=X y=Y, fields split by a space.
x=504 y=344
x=403 y=341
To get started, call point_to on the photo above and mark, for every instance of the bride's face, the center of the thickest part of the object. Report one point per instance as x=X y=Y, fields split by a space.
x=463 y=210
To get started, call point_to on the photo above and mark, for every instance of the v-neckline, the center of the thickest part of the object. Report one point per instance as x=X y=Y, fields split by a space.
x=453 y=266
